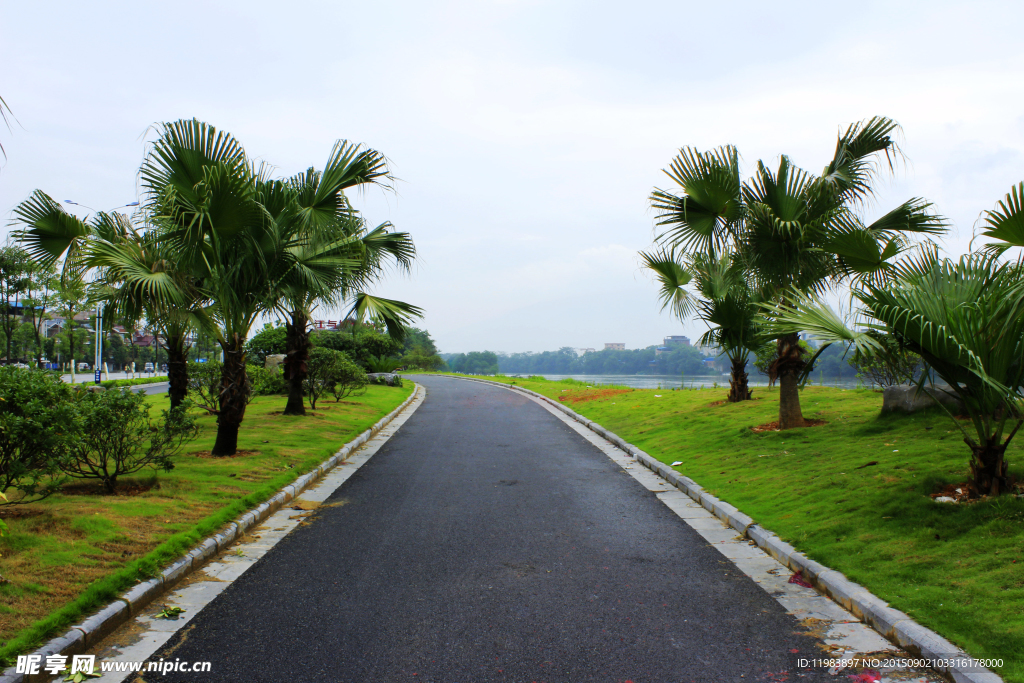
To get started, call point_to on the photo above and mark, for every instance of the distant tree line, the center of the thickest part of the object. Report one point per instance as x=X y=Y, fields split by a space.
x=834 y=363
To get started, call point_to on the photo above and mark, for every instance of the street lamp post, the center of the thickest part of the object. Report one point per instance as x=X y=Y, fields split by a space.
x=99 y=307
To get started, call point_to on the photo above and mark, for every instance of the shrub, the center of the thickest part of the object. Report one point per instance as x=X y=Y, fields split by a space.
x=382 y=364
x=204 y=384
x=321 y=370
x=37 y=427
x=896 y=365
x=119 y=438
x=348 y=378
x=263 y=382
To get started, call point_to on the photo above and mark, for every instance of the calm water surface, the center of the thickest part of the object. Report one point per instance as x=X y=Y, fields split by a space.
x=690 y=382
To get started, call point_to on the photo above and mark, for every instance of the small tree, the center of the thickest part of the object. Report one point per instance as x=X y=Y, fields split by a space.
x=896 y=365
x=349 y=378
x=204 y=384
x=119 y=438
x=321 y=373
x=37 y=427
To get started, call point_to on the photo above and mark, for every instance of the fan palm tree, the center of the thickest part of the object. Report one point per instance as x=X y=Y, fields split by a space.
x=966 y=321
x=722 y=300
x=202 y=189
x=326 y=252
x=252 y=242
x=791 y=230
x=137 y=273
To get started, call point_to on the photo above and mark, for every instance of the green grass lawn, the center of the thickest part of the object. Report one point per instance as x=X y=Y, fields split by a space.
x=78 y=549
x=852 y=494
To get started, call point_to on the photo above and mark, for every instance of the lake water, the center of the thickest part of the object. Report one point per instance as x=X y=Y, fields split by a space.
x=691 y=382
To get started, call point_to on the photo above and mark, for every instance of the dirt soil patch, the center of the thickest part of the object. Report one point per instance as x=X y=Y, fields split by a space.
x=593 y=395
x=128 y=488
x=236 y=454
x=774 y=426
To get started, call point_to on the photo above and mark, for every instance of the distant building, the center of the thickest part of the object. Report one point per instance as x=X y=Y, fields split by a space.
x=677 y=340
x=614 y=347
x=660 y=350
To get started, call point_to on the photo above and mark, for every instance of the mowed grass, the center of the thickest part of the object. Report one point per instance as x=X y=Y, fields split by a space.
x=852 y=494
x=77 y=550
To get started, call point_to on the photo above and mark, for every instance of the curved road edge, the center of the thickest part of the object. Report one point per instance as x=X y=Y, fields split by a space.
x=894 y=625
x=88 y=634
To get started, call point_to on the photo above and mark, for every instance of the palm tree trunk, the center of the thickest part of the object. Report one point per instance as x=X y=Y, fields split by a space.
x=989 y=467
x=177 y=369
x=788 y=367
x=234 y=392
x=738 y=389
x=296 y=361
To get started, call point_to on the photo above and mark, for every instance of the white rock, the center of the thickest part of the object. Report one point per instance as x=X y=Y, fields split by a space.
x=944 y=499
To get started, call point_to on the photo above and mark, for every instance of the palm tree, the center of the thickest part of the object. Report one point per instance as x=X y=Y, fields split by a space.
x=966 y=321
x=136 y=272
x=201 y=188
x=125 y=266
x=793 y=231
x=325 y=251
x=725 y=304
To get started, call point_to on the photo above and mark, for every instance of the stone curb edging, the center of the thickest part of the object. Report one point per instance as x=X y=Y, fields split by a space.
x=893 y=624
x=86 y=634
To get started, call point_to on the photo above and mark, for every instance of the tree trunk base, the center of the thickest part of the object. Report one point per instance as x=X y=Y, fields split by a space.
x=989 y=469
x=738 y=388
x=227 y=440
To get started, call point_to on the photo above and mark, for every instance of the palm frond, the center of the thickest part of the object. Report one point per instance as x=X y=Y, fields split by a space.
x=1006 y=222
x=673 y=278
x=396 y=315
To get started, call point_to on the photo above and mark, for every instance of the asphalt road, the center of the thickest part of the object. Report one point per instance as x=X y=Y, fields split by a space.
x=158 y=389
x=487 y=541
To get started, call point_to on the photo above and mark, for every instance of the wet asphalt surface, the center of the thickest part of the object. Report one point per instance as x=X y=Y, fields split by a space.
x=487 y=541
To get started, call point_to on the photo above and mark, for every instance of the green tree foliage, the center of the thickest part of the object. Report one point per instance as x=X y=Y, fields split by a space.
x=419 y=351
x=349 y=378
x=895 y=365
x=474 y=363
x=565 y=361
x=14 y=283
x=118 y=437
x=38 y=425
x=270 y=341
x=360 y=345
x=321 y=376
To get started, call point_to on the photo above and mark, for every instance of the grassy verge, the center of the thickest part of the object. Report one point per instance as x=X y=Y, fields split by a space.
x=76 y=550
x=852 y=494
x=132 y=382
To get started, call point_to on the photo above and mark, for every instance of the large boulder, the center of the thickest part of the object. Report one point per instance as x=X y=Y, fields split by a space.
x=387 y=378
x=908 y=398
x=273 y=363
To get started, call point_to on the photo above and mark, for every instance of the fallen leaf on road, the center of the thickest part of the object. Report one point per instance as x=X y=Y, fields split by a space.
x=798 y=579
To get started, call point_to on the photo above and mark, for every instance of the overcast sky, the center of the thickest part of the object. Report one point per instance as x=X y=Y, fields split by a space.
x=527 y=135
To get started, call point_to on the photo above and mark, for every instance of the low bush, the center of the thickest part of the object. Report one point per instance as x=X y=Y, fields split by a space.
x=118 y=437
x=37 y=427
x=349 y=378
x=263 y=382
x=204 y=384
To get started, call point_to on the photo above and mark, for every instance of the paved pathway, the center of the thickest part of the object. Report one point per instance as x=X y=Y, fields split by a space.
x=489 y=541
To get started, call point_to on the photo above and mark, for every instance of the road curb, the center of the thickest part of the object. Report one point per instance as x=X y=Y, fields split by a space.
x=894 y=625
x=98 y=625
